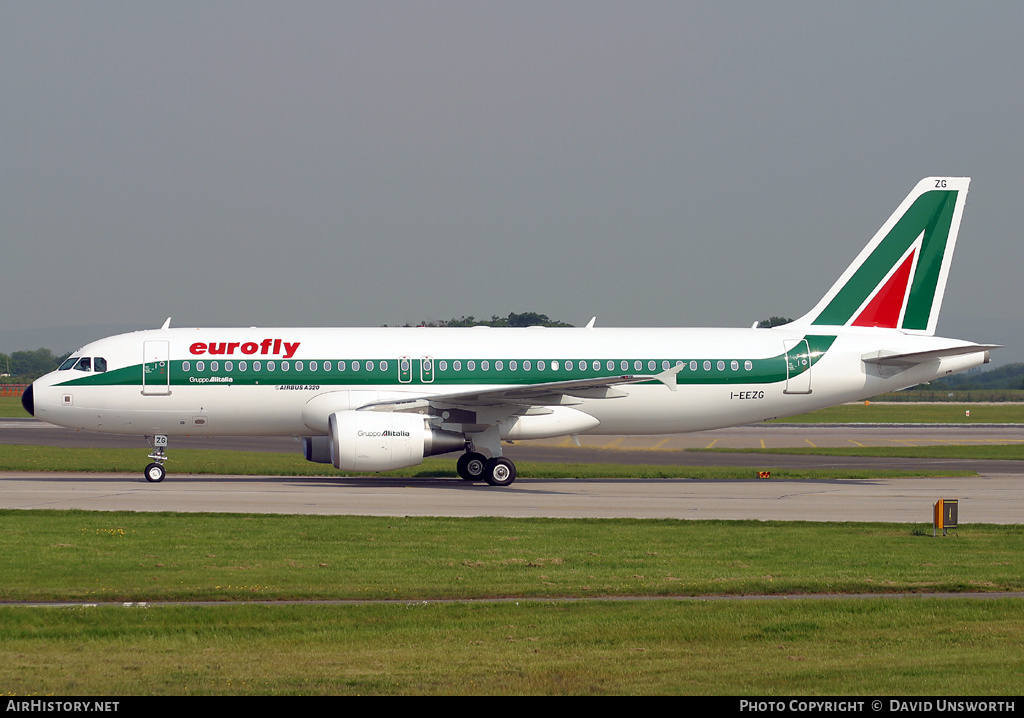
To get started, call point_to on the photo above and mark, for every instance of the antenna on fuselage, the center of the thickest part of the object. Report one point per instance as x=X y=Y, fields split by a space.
x=167 y=324
x=590 y=324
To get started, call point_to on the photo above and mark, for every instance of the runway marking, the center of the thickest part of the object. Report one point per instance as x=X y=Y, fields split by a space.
x=711 y=444
x=811 y=443
x=613 y=444
x=660 y=444
x=762 y=443
x=855 y=442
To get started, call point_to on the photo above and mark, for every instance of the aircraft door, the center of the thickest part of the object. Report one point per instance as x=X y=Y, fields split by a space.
x=404 y=369
x=798 y=367
x=156 y=368
x=426 y=369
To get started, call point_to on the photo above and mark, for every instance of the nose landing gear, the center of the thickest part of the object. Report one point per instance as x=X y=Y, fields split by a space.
x=155 y=472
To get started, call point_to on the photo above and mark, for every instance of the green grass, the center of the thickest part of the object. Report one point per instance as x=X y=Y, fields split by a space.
x=902 y=413
x=954 y=647
x=122 y=556
x=537 y=642
x=16 y=457
x=1005 y=452
x=10 y=407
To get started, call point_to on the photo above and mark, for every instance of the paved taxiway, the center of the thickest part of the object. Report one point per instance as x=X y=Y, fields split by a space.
x=986 y=499
x=995 y=496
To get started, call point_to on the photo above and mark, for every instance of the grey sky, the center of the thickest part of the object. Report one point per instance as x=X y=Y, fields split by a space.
x=362 y=163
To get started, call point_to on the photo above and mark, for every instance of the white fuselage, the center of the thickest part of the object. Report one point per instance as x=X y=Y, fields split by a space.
x=287 y=381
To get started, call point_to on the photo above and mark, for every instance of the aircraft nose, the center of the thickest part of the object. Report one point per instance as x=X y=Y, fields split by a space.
x=27 y=401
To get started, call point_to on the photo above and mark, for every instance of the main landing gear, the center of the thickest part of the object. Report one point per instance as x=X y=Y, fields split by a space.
x=155 y=472
x=498 y=471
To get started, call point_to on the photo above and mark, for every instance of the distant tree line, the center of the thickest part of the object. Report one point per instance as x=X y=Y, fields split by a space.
x=773 y=322
x=1010 y=376
x=526 y=319
x=26 y=366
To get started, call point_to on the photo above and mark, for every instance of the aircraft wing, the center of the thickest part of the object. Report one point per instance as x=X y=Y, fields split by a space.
x=543 y=394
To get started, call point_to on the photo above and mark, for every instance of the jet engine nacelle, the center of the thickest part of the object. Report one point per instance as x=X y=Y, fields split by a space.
x=380 y=441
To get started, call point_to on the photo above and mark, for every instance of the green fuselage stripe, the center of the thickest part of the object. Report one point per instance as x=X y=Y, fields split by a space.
x=763 y=371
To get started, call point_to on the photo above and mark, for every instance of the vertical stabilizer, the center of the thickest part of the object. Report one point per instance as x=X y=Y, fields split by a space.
x=898 y=280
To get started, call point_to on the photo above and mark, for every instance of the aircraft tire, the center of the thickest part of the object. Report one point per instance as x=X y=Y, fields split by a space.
x=500 y=472
x=155 y=473
x=472 y=466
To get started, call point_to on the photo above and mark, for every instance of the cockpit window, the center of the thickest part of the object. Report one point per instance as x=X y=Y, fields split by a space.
x=84 y=364
x=99 y=364
x=68 y=363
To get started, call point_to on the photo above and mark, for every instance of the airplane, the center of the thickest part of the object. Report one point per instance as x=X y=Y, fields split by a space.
x=376 y=399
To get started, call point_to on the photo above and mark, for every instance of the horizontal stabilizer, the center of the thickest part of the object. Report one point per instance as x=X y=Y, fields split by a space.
x=913 y=358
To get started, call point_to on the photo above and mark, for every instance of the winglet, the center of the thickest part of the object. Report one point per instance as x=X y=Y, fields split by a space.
x=668 y=377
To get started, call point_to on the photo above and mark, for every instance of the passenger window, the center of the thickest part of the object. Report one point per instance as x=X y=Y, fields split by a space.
x=554 y=366
x=384 y=366
x=355 y=366
x=693 y=366
x=257 y=366
x=271 y=365
x=312 y=365
x=721 y=365
x=597 y=365
x=707 y=365
x=285 y=366
x=568 y=364
x=527 y=365
x=443 y=364
x=341 y=366
x=499 y=365
x=513 y=365
x=485 y=365
x=735 y=365
x=214 y=366
x=611 y=365
x=457 y=365
x=541 y=365
x=229 y=366
x=243 y=365
x=369 y=366
x=652 y=365
x=471 y=365
x=748 y=365
x=186 y=366
x=200 y=366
